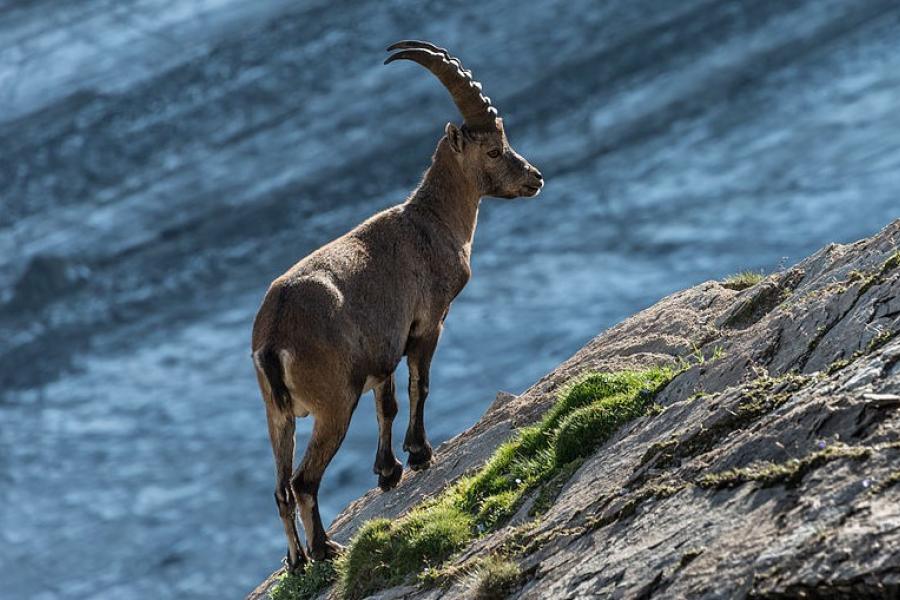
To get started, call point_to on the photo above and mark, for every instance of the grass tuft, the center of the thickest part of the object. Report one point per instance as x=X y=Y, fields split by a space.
x=589 y=426
x=384 y=553
x=491 y=578
x=588 y=412
x=697 y=357
x=494 y=578
x=742 y=280
x=314 y=579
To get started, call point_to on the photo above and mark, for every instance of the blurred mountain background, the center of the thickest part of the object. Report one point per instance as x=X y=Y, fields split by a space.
x=162 y=161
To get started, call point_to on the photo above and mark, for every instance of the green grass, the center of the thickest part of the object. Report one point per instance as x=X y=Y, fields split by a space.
x=384 y=553
x=697 y=357
x=315 y=577
x=742 y=280
x=588 y=412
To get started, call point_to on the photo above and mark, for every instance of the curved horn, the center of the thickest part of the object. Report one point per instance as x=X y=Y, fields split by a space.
x=413 y=44
x=407 y=44
x=475 y=107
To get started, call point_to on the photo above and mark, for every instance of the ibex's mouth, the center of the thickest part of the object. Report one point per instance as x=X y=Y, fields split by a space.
x=531 y=190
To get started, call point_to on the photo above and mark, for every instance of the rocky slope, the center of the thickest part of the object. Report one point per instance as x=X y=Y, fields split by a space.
x=770 y=472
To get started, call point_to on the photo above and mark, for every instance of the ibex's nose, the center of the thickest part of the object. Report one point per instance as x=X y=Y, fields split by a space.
x=537 y=174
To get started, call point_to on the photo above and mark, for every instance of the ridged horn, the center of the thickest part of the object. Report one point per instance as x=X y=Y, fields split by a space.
x=474 y=106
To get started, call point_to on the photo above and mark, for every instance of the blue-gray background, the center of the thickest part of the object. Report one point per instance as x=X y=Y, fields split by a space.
x=162 y=161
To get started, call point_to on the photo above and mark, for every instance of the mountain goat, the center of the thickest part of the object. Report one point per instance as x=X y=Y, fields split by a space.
x=337 y=323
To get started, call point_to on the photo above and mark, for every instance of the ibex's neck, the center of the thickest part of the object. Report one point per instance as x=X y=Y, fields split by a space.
x=450 y=195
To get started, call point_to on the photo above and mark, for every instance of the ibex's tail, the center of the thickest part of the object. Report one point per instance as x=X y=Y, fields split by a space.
x=271 y=366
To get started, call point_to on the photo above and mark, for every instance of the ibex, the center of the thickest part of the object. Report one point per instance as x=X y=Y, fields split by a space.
x=337 y=323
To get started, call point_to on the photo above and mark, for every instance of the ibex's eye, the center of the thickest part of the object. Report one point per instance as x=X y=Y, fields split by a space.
x=494 y=153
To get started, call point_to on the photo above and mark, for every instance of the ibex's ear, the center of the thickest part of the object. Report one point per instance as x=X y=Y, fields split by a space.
x=455 y=137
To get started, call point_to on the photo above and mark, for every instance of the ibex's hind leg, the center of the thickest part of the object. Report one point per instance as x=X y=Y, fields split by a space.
x=281 y=434
x=387 y=467
x=327 y=434
x=419 y=355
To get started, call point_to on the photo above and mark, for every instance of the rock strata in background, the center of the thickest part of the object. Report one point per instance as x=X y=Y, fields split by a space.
x=772 y=471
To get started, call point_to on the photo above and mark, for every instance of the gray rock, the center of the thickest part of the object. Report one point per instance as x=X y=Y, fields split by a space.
x=780 y=479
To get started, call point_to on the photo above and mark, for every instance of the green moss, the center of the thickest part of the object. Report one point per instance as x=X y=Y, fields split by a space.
x=864 y=279
x=855 y=275
x=837 y=366
x=588 y=411
x=742 y=280
x=631 y=503
x=790 y=472
x=891 y=263
x=879 y=340
x=663 y=452
x=518 y=539
x=313 y=580
x=760 y=397
x=891 y=480
x=868 y=280
x=874 y=344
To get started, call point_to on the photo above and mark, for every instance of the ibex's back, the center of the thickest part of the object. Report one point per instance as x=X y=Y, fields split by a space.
x=344 y=314
x=339 y=321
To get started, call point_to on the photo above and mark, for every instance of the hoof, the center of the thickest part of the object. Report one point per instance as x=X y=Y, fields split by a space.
x=293 y=568
x=390 y=481
x=420 y=459
x=330 y=549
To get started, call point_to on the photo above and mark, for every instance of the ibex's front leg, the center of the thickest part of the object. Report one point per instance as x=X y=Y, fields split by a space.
x=387 y=467
x=419 y=360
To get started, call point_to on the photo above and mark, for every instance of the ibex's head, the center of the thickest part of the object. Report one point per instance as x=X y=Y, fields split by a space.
x=480 y=145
